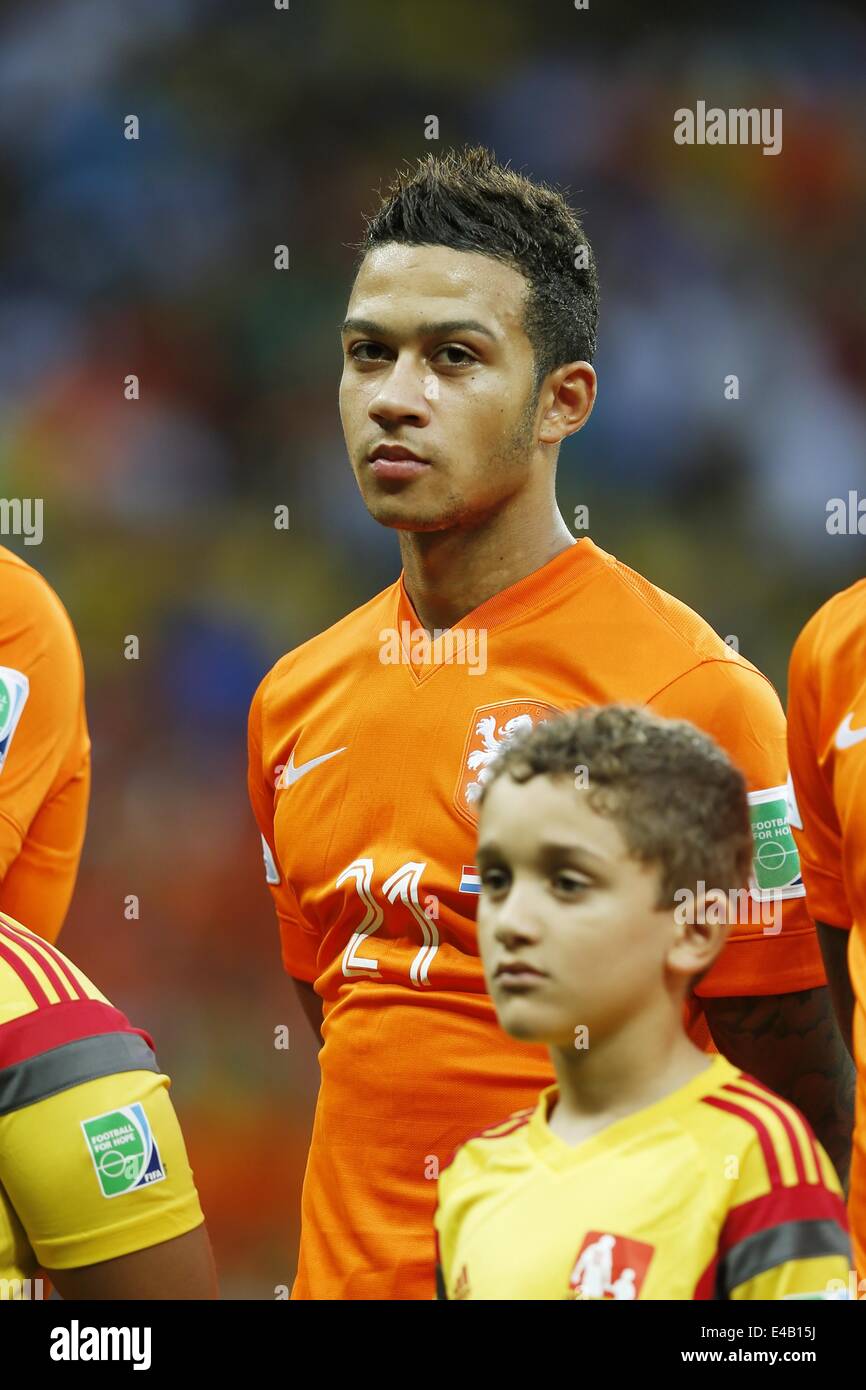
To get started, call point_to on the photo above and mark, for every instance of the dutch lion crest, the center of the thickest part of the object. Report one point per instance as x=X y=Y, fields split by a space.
x=493 y=726
x=493 y=739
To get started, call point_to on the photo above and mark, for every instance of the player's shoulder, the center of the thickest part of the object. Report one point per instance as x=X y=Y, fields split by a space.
x=332 y=649
x=755 y=1137
x=847 y=605
x=27 y=597
x=56 y=1027
x=680 y=640
x=838 y=622
x=496 y=1143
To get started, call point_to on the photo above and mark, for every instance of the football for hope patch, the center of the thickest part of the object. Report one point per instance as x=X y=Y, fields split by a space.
x=123 y=1148
x=14 y=689
x=776 y=863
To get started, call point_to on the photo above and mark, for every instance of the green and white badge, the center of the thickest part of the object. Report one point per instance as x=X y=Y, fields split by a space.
x=123 y=1150
x=14 y=689
x=776 y=863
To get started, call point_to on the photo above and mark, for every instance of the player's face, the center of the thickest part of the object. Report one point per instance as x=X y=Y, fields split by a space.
x=560 y=894
x=436 y=362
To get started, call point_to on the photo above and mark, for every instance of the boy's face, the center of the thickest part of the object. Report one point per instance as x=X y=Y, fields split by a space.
x=561 y=894
x=436 y=360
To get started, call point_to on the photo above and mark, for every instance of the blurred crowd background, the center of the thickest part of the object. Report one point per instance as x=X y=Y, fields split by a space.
x=261 y=126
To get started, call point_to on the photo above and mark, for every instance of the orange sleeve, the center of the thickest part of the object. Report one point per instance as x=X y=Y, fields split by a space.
x=299 y=941
x=814 y=820
x=45 y=770
x=738 y=707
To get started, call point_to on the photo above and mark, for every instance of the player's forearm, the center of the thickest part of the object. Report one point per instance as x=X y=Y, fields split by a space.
x=834 y=949
x=792 y=1043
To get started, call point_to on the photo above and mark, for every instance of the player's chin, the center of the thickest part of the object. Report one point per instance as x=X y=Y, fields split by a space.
x=404 y=517
x=524 y=1020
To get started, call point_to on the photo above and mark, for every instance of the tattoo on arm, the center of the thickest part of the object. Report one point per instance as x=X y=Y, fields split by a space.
x=792 y=1043
x=834 y=949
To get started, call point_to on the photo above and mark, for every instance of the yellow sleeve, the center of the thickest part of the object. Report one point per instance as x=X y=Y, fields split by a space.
x=98 y=1170
x=785 y=1236
x=823 y=1277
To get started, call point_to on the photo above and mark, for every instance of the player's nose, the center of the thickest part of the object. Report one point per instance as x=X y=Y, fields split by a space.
x=518 y=917
x=403 y=395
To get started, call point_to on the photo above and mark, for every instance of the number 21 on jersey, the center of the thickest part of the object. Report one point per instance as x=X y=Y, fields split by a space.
x=404 y=885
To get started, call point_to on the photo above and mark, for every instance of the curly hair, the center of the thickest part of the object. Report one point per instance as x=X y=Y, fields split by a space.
x=675 y=795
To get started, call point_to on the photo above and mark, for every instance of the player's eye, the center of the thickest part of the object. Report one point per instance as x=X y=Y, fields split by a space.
x=469 y=359
x=494 y=880
x=569 y=884
x=359 y=351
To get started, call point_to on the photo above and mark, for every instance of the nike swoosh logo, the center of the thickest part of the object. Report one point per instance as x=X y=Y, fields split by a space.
x=291 y=774
x=846 y=737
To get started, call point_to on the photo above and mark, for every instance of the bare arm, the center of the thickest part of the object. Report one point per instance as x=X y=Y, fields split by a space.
x=792 y=1043
x=311 y=1003
x=178 y=1268
x=834 y=948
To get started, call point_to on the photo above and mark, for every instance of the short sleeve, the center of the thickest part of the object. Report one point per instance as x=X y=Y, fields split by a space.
x=813 y=813
x=44 y=752
x=738 y=707
x=98 y=1170
x=299 y=942
x=784 y=1240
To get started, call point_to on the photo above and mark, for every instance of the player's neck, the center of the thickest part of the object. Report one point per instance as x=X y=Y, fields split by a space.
x=450 y=573
x=645 y=1062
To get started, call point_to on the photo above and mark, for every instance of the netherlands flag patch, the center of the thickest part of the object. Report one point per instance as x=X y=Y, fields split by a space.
x=470 y=879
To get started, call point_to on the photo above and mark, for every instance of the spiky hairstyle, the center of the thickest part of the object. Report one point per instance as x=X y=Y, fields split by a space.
x=465 y=199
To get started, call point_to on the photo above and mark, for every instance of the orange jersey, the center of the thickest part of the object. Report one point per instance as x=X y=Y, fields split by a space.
x=367 y=753
x=44 y=750
x=827 y=749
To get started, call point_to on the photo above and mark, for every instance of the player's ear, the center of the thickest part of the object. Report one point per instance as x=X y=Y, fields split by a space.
x=701 y=927
x=568 y=394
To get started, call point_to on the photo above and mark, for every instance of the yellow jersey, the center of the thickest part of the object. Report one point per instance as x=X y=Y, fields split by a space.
x=92 y=1160
x=718 y=1191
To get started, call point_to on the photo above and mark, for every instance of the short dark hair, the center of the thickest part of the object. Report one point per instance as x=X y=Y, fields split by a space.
x=675 y=795
x=466 y=200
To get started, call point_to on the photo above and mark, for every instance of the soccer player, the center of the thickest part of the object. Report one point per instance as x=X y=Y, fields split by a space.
x=44 y=750
x=467 y=346
x=95 y=1187
x=827 y=751
x=611 y=846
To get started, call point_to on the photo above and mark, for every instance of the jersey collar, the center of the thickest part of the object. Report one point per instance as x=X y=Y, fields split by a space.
x=557 y=1154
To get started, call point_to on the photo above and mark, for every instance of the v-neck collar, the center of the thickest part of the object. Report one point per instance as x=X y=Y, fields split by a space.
x=515 y=601
x=556 y=1153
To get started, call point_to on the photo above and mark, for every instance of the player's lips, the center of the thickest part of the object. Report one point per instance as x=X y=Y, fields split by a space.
x=516 y=972
x=395 y=461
